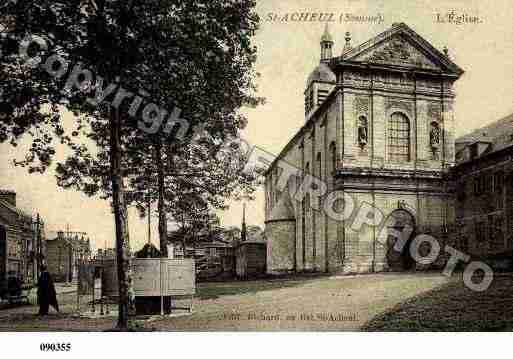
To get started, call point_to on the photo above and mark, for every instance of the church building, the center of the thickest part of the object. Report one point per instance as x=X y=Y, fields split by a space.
x=379 y=126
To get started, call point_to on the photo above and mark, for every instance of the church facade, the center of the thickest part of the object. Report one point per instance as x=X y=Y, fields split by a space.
x=379 y=127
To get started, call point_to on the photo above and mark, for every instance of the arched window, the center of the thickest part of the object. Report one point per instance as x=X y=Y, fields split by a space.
x=333 y=154
x=307 y=196
x=319 y=172
x=498 y=181
x=319 y=166
x=398 y=138
x=275 y=185
x=271 y=194
x=303 y=230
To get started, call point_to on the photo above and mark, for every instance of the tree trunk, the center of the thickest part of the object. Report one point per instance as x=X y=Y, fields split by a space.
x=121 y=223
x=161 y=204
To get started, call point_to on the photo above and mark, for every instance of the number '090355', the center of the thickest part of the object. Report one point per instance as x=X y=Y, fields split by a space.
x=55 y=347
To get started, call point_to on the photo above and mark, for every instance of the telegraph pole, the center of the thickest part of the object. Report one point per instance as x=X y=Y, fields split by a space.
x=243 y=233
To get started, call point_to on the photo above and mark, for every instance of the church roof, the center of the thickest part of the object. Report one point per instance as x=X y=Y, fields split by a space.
x=321 y=73
x=373 y=51
x=299 y=133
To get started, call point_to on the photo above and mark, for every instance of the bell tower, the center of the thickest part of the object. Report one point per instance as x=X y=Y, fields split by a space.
x=321 y=80
x=326 y=45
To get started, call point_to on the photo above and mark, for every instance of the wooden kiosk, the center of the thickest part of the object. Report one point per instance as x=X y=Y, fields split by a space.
x=165 y=277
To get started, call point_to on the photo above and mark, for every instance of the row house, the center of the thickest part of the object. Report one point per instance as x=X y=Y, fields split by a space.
x=22 y=245
x=483 y=186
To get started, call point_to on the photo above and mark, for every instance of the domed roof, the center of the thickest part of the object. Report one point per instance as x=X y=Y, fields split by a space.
x=321 y=73
x=326 y=36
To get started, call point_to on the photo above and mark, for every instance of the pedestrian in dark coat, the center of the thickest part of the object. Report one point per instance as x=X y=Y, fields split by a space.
x=46 y=294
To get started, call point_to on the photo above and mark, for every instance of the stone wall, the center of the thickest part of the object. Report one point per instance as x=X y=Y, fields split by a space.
x=281 y=236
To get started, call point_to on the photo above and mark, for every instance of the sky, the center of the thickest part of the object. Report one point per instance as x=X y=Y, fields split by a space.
x=287 y=52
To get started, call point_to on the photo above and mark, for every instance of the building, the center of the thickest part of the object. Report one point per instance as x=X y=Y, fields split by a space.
x=59 y=258
x=379 y=126
x=20 y=245
x=105 y=253
x=81 y=245
x=64 y=252
x=483 y=185
x=250 y=259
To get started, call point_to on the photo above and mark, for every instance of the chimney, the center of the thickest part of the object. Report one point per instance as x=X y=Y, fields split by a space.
x=8 y=196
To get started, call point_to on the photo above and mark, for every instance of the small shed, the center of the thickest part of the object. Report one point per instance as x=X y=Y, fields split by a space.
x=154 y=277
x=251 y=259
x=215 y=260
x=163 y=278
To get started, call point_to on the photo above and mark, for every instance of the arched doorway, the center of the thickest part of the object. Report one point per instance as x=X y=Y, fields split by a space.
x=3 y=259
x=398 y=221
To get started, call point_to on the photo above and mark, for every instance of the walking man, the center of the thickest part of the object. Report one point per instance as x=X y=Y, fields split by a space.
x=46 y=294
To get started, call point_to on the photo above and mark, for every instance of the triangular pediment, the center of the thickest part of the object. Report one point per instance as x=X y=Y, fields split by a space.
x=398 y=51
x=401 y=46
